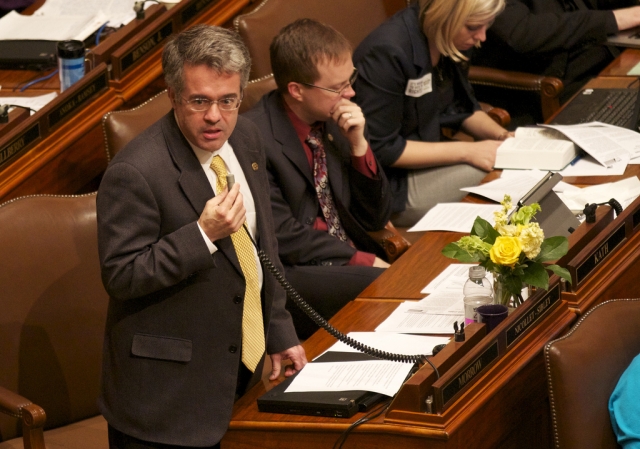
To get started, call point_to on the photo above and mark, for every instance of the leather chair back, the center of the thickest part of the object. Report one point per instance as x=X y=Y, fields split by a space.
x=53 y=308
x=353 y=18
x=119 y=127
x=583 y=368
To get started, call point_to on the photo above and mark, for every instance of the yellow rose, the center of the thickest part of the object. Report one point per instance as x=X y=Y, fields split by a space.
x=505 y=251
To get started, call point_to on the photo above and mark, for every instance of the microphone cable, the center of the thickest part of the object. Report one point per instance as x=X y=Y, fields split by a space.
x=321 y=322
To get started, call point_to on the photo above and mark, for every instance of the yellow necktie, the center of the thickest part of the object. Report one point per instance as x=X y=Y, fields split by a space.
x=252 y=324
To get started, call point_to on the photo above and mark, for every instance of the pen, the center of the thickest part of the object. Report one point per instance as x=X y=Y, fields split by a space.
x=575 y=159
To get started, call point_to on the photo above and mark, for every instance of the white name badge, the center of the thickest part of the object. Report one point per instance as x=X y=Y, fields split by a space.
x=419 y=87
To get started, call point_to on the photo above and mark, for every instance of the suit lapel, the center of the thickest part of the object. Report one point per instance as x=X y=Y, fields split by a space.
x=193 y=181
x=285 y=135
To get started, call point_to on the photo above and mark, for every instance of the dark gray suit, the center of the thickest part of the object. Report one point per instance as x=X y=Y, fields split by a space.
x=173 y=334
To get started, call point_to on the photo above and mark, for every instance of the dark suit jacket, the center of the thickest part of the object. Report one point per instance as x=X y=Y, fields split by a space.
x=173 y=333
x=363 y=203
x=394 y=53
x=560 y=38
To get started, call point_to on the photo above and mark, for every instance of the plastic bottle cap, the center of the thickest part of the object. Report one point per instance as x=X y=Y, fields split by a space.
x=70 y=49
x=477 y=272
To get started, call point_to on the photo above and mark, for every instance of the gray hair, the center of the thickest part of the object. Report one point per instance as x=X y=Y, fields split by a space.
x=217 y=48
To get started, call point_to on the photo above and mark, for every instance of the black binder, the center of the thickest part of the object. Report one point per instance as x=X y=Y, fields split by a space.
x=335 y=404
x=28 y=54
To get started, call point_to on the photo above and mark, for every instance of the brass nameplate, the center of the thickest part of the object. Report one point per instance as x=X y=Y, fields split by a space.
x=21 y=142
x=194 y=9
x=145 y=47
x=468 y=373
x=600 y=254
x=81 y=97
x=539 y=309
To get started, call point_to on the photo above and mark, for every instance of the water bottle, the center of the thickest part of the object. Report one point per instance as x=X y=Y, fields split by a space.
x=70 y=63
x=477 y=291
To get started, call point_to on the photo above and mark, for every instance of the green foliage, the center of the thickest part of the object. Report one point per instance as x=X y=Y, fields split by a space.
x=553 y=248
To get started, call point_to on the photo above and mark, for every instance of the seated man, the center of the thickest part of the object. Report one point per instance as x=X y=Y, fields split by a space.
x=557 y=38
x=326 y=188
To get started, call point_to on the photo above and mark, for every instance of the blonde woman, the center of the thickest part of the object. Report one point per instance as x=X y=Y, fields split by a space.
x=412 y=83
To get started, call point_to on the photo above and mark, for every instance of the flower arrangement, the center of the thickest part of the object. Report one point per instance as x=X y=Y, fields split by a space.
x=514 y=250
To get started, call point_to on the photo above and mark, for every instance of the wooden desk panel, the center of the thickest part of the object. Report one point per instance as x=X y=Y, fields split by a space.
x=623 y=63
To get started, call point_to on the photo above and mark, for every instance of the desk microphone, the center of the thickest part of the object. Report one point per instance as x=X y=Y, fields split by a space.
x=4 y=113
x=320 y=321
x=138 y=7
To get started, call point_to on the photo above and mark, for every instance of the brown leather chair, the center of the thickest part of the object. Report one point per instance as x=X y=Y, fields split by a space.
x=547 y=88
x=583 y=368
x=116 y=125
x=353 y=18
x=53 y=312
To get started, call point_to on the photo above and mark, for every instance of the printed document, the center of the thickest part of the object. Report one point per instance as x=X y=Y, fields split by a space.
x=624 y=191
x=372 y=375
x=410 y=318
x=515 y=183
x=607 y=144
x=456 y=217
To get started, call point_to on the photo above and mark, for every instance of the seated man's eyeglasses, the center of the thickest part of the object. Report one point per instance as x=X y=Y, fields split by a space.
x=203 y=104
x=352 y=79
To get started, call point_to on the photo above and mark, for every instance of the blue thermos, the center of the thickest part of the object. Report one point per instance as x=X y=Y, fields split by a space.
x=70 y=62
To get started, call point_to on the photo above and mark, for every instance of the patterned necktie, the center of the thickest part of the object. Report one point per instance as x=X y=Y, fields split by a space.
x=253 y=345
x=323 y=190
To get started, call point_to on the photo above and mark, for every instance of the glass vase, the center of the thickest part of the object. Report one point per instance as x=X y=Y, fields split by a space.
x=501 y=295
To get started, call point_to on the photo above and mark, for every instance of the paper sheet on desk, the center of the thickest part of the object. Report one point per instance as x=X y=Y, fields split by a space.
x=456 y=217
x=378 y=376
x=14 y=26
x=624 y=191
x=392 y=342
x=607 y=144
x=36 y=103
x=515 y=183
x=455 y=271
x=117 y=12
x=588 y=166
x=409 y=318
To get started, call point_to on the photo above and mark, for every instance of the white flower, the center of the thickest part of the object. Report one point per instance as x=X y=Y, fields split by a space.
x=531 y=237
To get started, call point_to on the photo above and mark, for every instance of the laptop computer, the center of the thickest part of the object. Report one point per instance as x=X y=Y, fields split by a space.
x=28 y=55
x=334 y=404
x=627 y=38
x=619 y=107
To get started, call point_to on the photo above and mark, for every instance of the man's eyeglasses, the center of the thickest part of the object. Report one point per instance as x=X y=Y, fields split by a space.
x=203 y=104
x=352 y=79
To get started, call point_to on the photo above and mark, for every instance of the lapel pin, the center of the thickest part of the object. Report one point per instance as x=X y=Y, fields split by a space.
x=254 y=166
x=330 y=137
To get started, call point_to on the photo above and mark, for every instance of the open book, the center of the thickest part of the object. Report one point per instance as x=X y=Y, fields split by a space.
x=541 y=148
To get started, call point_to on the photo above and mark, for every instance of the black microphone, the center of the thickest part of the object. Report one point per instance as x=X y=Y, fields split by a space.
x=4 y=113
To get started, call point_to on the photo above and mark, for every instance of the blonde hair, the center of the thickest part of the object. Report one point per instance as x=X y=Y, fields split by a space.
x=442 y=20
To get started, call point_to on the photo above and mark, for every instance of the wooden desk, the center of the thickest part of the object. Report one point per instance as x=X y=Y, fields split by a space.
x=623 y=63
x=506 y=407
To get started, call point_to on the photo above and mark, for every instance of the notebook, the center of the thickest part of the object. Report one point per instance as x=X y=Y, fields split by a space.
x=335 y=404
x=27 y=54
x=618 y=107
